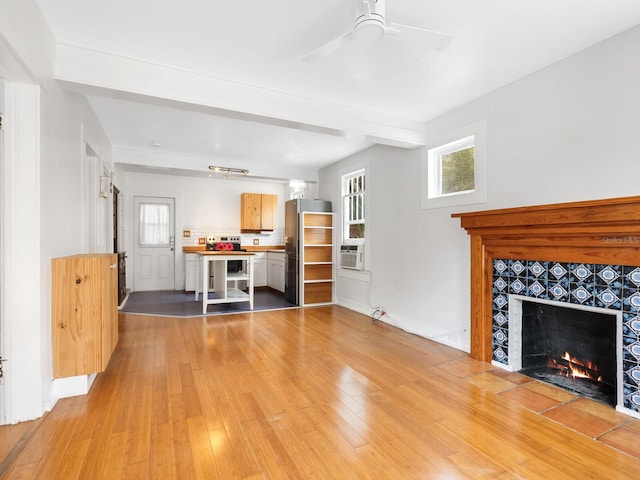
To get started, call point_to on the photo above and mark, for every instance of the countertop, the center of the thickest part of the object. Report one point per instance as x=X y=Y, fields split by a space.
x=222 y=253
x=248 y=248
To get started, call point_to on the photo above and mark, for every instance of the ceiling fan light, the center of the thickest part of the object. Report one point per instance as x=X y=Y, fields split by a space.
x=369 y=30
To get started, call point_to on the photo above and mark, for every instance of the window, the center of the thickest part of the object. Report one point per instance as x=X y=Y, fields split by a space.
x=353 y=191
x=154 y=225
x=453 y=168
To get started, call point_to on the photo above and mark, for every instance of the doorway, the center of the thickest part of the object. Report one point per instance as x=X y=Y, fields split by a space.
x=95 y=214
x=154 y=243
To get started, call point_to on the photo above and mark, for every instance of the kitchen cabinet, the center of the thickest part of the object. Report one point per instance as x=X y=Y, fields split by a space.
x=275 y=271
x=84 y=313
x=260 y=269
x=257 y=212
x=316 y=258
x=190 y=266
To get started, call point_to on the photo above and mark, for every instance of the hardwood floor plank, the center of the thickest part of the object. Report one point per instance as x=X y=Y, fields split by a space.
x=315 y=393
x=203 y=459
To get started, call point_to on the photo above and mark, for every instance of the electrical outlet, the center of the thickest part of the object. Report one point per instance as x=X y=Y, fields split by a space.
x=256 y=241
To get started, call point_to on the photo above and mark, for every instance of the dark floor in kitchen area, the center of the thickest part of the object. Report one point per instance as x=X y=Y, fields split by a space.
x=183 y=304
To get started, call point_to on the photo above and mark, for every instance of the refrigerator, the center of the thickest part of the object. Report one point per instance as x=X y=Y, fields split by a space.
x=292 y=241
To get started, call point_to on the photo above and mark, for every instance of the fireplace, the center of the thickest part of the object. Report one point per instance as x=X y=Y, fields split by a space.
x=580 y=254
x=575 y=349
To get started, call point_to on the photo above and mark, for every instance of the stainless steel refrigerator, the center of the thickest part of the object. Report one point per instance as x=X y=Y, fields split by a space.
x=293 y=242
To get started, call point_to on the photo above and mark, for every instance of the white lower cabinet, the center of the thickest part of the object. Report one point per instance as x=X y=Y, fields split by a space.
x=275 y=270
x=190 y=266
x=260 y=269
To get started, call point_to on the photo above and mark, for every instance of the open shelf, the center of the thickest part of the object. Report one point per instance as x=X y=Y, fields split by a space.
x=317 y=279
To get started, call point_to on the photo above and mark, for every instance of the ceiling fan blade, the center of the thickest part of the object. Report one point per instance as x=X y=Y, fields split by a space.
x=328 y=48
x=419 y=36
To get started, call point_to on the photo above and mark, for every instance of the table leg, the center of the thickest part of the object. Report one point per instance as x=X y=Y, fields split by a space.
x=205 y=283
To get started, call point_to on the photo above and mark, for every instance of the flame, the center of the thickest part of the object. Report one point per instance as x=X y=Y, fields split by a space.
x=576 y=368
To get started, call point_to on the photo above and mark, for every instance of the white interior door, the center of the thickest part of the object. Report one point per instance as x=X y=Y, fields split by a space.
x=154 y=244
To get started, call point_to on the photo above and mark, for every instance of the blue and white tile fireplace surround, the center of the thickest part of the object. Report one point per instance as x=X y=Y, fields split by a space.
x=583 y=255
x=604 y=286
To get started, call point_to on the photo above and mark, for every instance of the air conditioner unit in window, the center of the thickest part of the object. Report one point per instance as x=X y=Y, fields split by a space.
x=352 y=257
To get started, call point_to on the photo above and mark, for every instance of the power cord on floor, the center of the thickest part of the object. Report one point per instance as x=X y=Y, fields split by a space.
x=377 y=314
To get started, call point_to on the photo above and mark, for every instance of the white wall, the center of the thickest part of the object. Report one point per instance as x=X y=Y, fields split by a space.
x=48 y=199
x=566 y=133
x=206 y=206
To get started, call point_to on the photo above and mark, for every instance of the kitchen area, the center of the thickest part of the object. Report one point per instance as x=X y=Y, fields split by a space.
x=247 y=214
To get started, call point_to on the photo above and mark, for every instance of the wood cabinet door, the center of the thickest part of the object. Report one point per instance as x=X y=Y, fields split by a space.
x=268 y=211
x=84 y=313
x=250 y=211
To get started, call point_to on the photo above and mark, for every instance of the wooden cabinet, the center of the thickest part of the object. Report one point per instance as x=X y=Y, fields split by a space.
x=84 y=313
x=258 y=212
x=316 y=259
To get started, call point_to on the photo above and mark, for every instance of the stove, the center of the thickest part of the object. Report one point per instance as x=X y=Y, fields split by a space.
x=227 y=243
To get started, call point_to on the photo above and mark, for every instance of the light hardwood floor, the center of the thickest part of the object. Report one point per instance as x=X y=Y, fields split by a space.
x=318 y=393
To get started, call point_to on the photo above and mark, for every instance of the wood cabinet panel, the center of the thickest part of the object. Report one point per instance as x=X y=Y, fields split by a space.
x=258 y=212
x=318 y=272
x=268 y=212
x=84 y=313
x=318 y=293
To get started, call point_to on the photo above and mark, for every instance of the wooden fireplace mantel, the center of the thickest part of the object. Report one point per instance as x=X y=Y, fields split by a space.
x=598 y=231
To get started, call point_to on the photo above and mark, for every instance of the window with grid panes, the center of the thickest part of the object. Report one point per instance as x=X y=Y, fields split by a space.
x=353 y=194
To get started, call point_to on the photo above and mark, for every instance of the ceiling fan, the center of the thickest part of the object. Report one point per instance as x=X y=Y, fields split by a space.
x=370 y=25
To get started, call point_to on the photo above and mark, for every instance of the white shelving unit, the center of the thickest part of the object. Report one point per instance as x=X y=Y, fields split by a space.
x=317 y=275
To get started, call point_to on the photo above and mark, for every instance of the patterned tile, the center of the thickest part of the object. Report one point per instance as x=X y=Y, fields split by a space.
x=537 y=270
x=501 y=319
x=536 y=287
x=518 y=286
x=608 y=275
x=614 y=287
x=558 y=271
x=500 y=267
x=518 y=268
x=558 y=292
x=581 y=273
x=631 y=277
x=581 y=294
x=500 y=284
x=608 y=297
x=631 y=324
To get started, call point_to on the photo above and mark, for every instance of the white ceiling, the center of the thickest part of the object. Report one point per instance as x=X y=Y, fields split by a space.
x=259 y=106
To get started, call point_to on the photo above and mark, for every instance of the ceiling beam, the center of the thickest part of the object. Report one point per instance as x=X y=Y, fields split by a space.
x=89 y=71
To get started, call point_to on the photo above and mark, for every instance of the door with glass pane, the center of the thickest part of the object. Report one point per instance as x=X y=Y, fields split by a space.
x=154 y=244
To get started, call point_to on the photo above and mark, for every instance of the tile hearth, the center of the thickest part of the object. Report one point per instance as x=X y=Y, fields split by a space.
x=612 y=287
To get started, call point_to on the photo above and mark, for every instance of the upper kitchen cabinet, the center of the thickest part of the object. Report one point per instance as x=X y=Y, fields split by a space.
x=258 y=212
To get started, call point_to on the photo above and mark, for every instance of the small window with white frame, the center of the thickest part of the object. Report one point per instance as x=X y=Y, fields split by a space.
x=453 y=168
x=353 y=207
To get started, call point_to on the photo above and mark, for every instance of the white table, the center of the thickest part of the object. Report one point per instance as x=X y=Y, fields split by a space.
x=221 y=278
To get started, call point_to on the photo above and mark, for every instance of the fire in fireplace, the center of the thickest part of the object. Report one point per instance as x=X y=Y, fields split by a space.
x=572 y=348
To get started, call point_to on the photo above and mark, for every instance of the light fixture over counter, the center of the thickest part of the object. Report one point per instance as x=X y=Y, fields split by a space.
x=228 y=171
